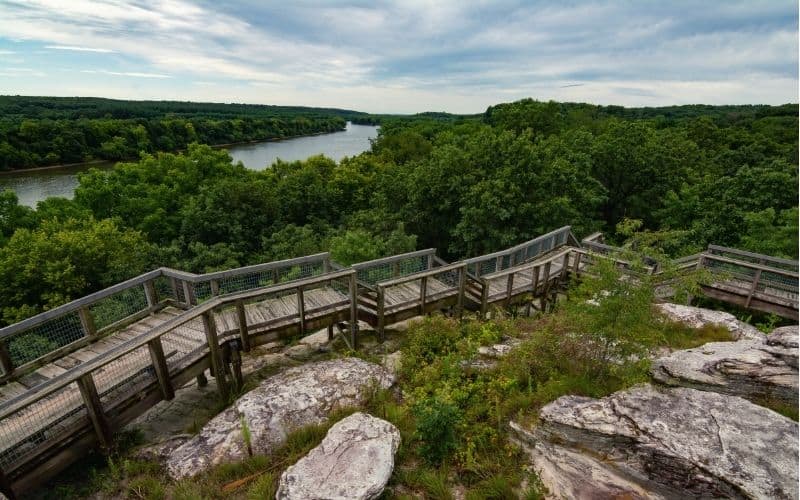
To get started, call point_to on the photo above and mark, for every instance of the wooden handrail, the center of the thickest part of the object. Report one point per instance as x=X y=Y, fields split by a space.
x=360 y=266
x=72 y=375
x=516 y=248
x=423 y=274
x=750 y=265
x=529 y=265
x=752 y=255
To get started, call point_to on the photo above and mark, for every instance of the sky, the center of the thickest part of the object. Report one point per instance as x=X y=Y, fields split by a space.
x=404 y=56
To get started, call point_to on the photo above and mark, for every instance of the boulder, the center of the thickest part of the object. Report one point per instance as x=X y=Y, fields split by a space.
x=697 y=317
x=354 y=461
x=498 y=350
x=676 y=442
x=294 y=398
x=756 y=369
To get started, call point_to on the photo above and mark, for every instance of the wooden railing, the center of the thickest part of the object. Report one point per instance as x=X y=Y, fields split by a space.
x=497 y=261
x=90 y=400
x=373 y=271
x=430 y=287
x=26 y=345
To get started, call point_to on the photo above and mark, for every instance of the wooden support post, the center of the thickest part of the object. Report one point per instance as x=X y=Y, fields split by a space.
x=430 y=261
x=396 y=269
x=423 y=292
x=498 y=265
x=535 y=280
x=462 y=288
x=87 y=322
x=188 y=294
x=576 y=263
x=301 y=309
x=326 y=265
x=353 y=289
x=214 y=351
x=202 y=381
x=214 y=288
x=160 y=365
x=243 y=331
x=330 y=333
x=546 y=285
x=753 y=288
x=5 y=359
x=173 y=283
x=484 y=298
x=509 y=289
x=94 y=408
x=381 y=297
x=565 y=267
x=275 y=276
x=151 y=295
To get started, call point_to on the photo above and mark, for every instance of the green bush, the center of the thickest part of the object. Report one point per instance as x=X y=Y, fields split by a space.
x=436 y=426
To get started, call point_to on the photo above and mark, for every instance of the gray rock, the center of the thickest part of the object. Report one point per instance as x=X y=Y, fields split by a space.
x=354 y=461
x=759 y=369
x=568 y=473
x=697 y=317
x=499 y=350
x=393 y=362
x=160 y=451
x=696 y=443
x=316 y=340
x=297 y=397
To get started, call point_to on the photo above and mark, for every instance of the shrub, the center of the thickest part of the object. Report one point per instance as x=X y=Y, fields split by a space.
x=436 y=425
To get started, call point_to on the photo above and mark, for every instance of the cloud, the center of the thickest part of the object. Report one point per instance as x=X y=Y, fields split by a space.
x=125 y=73
x=78 y=49
x=418 y=54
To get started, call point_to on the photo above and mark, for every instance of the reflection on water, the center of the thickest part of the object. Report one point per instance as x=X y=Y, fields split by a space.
x=33 y=186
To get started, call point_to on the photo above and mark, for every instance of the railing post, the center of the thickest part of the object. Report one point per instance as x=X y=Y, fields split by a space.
x=160 y=365
x=173 y=283
x=94 y=408
x=576 y=264
x=396 y=269
x=484 y=298
x=381 y=318
x=5 y=359
x=498 y=265
x=353 y=289
x=243 y=332
x=462 y=288
x=301 y=309
x=214 y=288
x=565 y=267
x=430 y=261
x=509 y=289
x=188 y=294
x=423 y=291
x=87 y=322
x=151 y=295
x=276 y=276
x=215 y=352
x=753 y=288
x=546 y=284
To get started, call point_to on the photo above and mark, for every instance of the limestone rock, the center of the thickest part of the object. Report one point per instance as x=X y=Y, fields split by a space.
x=569 y=474
x=160 y=451
x=697 y=317
x=392 y=362
x=292 y=399
x=696 y=443
x=316 y=340
x=354 y=461
x=498 y=350
x=754 y=369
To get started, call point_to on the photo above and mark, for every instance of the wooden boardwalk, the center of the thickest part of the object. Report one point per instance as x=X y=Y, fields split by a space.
x=120 y=351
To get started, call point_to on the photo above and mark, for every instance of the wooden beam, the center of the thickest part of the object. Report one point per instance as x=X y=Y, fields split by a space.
x=160 y=365
x=301 y=309
x=381 y=299
x=565 y=267
x=484 y=298
x=753 y=288
x=188 y=295
x=5 y=360
x=94 y=407
x=576 y=264
x=353 y=290
x=462 y=288
x=215 y=352
x=150 y=295
x=87 y=322
x=509 y=288
x=243 y=331
x=423 y=292
x=214 y=287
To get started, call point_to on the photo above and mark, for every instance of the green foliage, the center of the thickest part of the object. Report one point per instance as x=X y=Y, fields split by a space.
x=436 y=429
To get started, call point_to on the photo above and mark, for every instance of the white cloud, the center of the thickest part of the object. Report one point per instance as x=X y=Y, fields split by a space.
x=125 y=73
x=77 y=48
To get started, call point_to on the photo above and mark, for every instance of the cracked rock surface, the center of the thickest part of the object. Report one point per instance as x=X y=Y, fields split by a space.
x=751 y=368
x=673 y=442
x=354 y=461
x=283 y=403
x=697 y=317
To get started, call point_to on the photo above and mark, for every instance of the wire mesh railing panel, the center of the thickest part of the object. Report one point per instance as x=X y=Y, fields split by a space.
x=163 y=288
x=305 y=270
x=389 y=270
x=765 y=260
x=122 y=374
x=376 y=274
x=780 y=282
x=119 y=306
x=48 y=418
x=248 y=281
x=42 y=339
x=201 y=291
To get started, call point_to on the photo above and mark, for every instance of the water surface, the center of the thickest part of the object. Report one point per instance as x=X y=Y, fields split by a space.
x=33 y=186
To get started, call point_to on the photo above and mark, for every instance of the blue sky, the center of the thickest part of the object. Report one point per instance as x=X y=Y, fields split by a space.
x=403 y=56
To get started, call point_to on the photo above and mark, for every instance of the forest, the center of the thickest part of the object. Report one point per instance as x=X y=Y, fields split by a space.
x=465 y=185
x=42 y=131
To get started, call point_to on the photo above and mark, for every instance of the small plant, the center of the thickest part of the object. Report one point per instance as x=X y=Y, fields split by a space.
x=247 y=436
x=436 y=425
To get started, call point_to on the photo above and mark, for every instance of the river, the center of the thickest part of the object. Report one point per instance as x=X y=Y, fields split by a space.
x=35 y=185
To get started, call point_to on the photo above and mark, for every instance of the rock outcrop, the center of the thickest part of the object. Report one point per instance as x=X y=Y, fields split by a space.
x=697 y=317
x=672 y=442
x=756 y=369
x=292 y=399
x=354 y=461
